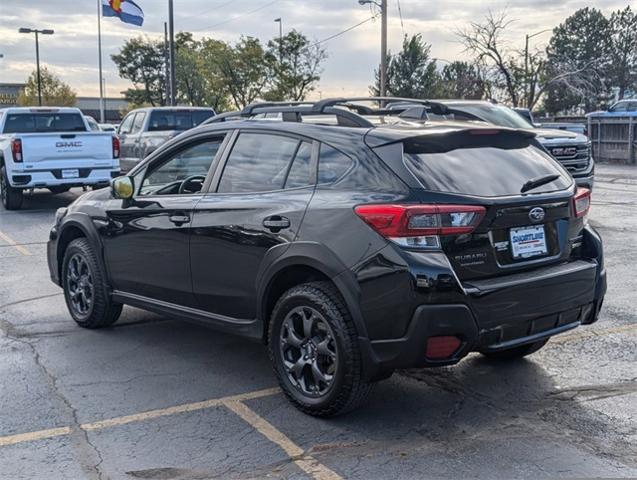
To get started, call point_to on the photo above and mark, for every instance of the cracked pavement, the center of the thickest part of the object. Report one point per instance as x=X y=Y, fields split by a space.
x=567 y=411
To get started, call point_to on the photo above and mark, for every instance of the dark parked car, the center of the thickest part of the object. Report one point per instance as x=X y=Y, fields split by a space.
x=144 y=130
x=351 y=250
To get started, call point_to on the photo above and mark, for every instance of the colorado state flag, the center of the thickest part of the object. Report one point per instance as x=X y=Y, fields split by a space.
x=127 y=11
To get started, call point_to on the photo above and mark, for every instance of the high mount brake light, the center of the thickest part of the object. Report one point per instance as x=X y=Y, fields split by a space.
x=581 y=202
x=16 y=150
x=419 y=226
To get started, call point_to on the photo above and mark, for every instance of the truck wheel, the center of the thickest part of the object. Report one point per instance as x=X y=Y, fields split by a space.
x=516 y=352
x=56 y=190
x=314 y=350
x=11 y=197
x=84 y=285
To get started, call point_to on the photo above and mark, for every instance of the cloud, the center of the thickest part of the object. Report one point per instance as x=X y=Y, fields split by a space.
x=72 y=51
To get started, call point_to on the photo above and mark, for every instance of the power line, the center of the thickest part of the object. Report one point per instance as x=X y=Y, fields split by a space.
x=215 y=8
x=400 y=13
x=236 y=17
x=349 y=29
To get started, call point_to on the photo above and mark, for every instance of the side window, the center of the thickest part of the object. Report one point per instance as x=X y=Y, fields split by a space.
x=167 y=177
x=632 y=107
x=258 y=163
x=127 y=124
x=620 y=107
x=332 y=164
x=139 y=122
x=300 y=173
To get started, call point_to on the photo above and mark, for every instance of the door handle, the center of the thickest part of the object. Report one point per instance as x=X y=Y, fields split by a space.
x=276 y=223
x=179 y=219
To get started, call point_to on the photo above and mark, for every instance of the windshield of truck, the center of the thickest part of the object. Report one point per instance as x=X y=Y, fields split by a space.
x=179 y=120
x=42 y=122
x=493 y=114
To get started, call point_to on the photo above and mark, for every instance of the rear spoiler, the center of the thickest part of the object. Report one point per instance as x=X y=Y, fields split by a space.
x=453 y=139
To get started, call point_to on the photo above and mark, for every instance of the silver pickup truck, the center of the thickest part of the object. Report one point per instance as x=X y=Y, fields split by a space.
x=144 y=130
x=52 y=148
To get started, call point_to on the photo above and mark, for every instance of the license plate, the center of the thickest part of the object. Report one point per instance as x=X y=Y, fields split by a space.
x=528 y=241
x=70 y=173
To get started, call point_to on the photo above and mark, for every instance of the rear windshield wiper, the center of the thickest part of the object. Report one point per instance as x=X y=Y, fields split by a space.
x=538 y=182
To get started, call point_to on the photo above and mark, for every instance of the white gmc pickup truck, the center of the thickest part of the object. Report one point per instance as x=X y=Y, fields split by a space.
x=52 y=148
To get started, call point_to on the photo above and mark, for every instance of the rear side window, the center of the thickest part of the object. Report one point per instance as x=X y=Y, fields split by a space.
x=485 y=171
x=44 y=122
x=300 y=173
x=333 y=165
x=258 y=163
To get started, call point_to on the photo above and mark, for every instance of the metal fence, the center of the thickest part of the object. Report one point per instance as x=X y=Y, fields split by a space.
x=614 y=139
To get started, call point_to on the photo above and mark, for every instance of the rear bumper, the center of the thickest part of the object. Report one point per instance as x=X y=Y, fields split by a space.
x=53 y=177
x=498 y=314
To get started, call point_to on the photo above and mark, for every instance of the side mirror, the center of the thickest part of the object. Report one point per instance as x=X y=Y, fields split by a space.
x=123 y=187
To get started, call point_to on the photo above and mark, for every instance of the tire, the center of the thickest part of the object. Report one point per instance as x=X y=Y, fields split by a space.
x=516 y=352
x=58 y=189
x=85 y=289
x=11 y=197
x=332 y=347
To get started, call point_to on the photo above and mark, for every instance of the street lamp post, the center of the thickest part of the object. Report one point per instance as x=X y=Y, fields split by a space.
x=383 y=42
x=37 y=55
x=526 y=64
x=280 y=22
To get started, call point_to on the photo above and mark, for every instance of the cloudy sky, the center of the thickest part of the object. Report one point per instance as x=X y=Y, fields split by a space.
x=72 y=51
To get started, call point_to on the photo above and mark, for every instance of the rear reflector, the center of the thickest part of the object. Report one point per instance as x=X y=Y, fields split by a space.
x=420 y=225
x=581 y=202
x=440 y=348
x=16 y=150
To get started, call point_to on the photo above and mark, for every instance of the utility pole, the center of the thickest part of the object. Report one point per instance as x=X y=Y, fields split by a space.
x=383 y=48
x=280 y=22
x=167 y=63
x=526 y=65
x=171 y=33
x=99 y=54
x=383 y=42
x=37 y=55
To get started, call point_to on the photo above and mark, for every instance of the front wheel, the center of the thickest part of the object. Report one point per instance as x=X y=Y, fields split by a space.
x=314 y=349
x=11 y=197
x=516 y=352
x=84 y=287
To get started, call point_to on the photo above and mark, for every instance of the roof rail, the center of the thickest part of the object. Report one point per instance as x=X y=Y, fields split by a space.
x=352 y=116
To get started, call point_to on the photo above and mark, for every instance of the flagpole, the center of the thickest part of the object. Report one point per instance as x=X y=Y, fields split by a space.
x=99 y=47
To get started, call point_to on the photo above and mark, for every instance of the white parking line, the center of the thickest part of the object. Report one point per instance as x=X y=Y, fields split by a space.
x=14 y=244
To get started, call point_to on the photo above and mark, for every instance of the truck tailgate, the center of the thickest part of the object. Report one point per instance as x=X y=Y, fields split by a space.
x=85 y=149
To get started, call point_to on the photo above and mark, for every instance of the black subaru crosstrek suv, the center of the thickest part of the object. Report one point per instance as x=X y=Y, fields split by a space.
x=350 y=248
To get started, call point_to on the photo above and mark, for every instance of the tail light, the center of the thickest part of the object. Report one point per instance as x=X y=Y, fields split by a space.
x=16 y=150
x=419 y=226
x=581 y=202
x=115 y=147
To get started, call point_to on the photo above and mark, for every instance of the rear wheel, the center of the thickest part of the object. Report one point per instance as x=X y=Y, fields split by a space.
x=314 y=349
x=57 y=189
x=11 y=197
x=516 y=352
x=84 y=287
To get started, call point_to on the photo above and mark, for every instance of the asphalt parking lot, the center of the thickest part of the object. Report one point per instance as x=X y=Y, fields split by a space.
x=156 y=398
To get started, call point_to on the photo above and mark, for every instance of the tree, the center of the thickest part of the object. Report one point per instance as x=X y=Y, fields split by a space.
x=578 y=62
x=485 y=41
x=623 y=24
x=462 y=80
x=411 y=72
x=54 y=91
x=243 y=70
x=295 y=65
x=142 y=61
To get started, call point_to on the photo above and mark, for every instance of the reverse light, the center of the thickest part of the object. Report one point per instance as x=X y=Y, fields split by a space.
x=419 y=226
x=16 y=150
x=581 y=202
x=116 y=147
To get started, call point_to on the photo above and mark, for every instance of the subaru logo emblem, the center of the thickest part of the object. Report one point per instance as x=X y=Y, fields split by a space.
x=537 y=214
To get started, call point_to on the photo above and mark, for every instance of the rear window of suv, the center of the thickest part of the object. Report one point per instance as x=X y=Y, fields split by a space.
x=44 y=122
x=484 y=171
x=177 y=120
